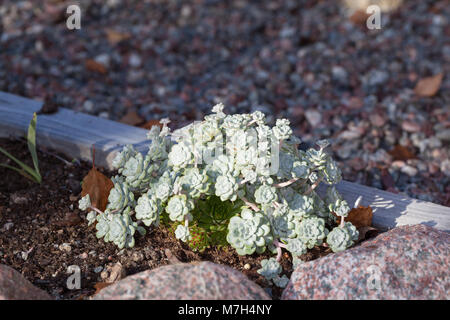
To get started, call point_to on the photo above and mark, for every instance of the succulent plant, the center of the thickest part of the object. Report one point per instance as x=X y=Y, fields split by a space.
x=180 y=156
x=300 y=170
x=281 y=281
x=226 y=187
x=335 y=202
x=301 y=205
x=296 y=246
x=137 y=171
x=117 y=228
x=120 y=195
x=178 y=207
x=195 y=182
x=282 y=129
x=249 y=233
x=84 y=203
x=182 y=233
x=91 y=217
x=265 y=194
x=341 y=238
x=122 y=157
x=271 y=269
x=317 y=158
x=148 y=210
x=312 y=231
x=228 y=161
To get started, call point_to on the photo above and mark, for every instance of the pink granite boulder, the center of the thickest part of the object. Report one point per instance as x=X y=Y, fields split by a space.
x=13 y=286
x=409 y=262
x=185 y=281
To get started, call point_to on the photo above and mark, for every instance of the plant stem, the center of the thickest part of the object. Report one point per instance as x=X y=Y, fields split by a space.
x=286 y=183
x=96 y=210
x=313 y=186
x=342 y=222
x=250 y=204
x=278 y=245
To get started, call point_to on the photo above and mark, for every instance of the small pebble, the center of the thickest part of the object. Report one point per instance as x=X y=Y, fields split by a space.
x=65 y=247
x=410 y=171
x=84 y=255
x=98 y=269
x=247 y=266
x=8 y=226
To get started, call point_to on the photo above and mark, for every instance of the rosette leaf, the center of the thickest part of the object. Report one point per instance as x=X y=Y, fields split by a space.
x=84 y=203
x=335 y=202
x=120 y=196
x=312 y=231
x=282 y=129
x=182 y=233
x=296 y=246
x=301 y=205
x=317 y=158
x=122 y=157
x=266 y=194
x=249 y=232
x=148 y=210
x=180 y=156
x=178 y=207
x=226 y=187
x=341 y=238
x=137 y=171
x=195 y=182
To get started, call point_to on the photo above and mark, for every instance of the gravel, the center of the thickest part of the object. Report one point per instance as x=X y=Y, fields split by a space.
x=304 y=60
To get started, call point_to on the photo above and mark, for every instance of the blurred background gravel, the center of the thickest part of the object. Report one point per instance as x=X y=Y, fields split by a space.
x=313 y=62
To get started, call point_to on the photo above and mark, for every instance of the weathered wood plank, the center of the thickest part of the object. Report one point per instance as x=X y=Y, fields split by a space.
x=393 y=210
x=74 y=133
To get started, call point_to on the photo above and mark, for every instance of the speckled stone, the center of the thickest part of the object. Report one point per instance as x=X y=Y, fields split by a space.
x=202 y=281
x=409 y=262
x=13 y=286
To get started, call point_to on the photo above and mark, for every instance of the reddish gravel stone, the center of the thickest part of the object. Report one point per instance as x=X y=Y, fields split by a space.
x=13 y=286
x=202 y=281
x=410 y=262
x=411 y=126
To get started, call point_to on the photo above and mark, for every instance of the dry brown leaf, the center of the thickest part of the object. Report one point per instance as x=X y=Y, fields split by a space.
x=98 y=186
x=114 y=37
x=94 y=66
x=132 y=118
x=359 y=17
x=401 y=153
x=428 y=87
x=149 y=124
x=101 y=285
x=359 y=217
x=366 y=233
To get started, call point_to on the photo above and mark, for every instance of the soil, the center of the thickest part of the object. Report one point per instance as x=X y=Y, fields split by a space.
x=42 y=233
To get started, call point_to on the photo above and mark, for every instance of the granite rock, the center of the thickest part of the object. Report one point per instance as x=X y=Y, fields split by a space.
x=13 y=286
x=408 y=262
x=200 y=281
